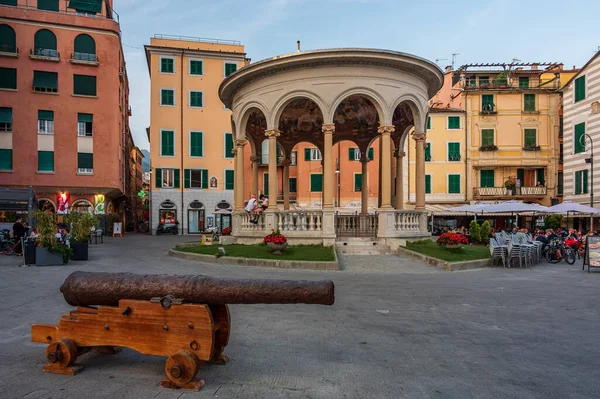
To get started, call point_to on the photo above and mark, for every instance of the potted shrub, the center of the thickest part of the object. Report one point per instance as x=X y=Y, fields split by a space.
x=501 y=80
x=50 y=251
x=276 y=241
x=81 y=226
x=510 y=185
x=491 y=147
x=452 y=240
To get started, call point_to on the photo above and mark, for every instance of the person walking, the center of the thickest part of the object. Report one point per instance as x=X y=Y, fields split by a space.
x=18 y=234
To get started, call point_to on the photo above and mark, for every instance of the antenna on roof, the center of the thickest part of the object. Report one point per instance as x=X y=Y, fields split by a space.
x=437 y=60
x=516 y=60
x=454 y=59
x=298 y=43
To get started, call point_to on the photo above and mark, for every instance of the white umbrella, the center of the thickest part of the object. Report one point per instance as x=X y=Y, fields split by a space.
x=514 y=207
x=468 y=208
x=572 y=207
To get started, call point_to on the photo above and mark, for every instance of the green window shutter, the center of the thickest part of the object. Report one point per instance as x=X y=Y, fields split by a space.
x=351 y=154
x=487 y=137
x=358 y=182
x=176 y=178
x=167 y=97
x=454 y=151
x=85 y=118
x=89 y=6
x=196 y=149
x=46 y=161
x=427 y=184
x=167 y=143
x=454 y=122
x=45 y=115
x=186 y=178
x=84 y=85
x=578 y=182
x=47 y=5
x=230 y=68
x=9 y=2
x=579 y=134
x=8 y=78
x=580 y=88
x=158 y=177
x=196 y=99
x=307 y=154
x=229 y=180
x=523 y=82
x=196 y=67
x=529 y=102
x=204 y=174
x=486 y=178
x=5 y=115
x=454 y=184
x=585 y=181
x=429 y=122
x=521 y=175
x=45 y=80
x=44 y=39
x=371 y=154
x=228 y=145
x=166 y=65
x=427 y=152
x=6 y=159
x=8 y=38
x=316 y=182
x=541 y=177
x=487 y=102
x=530 y=138
x=266 y=184
x=293 y=186
x=84 y=44
x=85 y=160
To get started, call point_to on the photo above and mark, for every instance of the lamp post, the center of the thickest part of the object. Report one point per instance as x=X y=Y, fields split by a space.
x=590 y=160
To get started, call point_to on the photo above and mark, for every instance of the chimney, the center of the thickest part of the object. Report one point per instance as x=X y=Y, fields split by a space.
x=298 y=42
x=534 y=67
x=449 y=69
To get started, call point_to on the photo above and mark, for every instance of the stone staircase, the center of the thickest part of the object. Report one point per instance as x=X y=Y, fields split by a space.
x=361 y=246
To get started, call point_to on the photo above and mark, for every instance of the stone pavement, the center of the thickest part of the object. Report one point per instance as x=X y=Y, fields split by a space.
x=399 y=329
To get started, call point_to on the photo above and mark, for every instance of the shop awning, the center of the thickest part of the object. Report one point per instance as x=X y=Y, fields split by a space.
x=94 y=6
x=15 y=199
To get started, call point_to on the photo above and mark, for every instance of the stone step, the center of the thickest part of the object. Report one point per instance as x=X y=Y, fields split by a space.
x=361 y=246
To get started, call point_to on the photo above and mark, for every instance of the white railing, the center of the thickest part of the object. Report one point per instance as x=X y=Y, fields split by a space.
x=356 y=225
x=408 y=221
x=299 y=220
x=247 y=225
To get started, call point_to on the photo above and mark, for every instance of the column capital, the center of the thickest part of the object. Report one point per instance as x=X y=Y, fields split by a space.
x=286 y=162
x=386 y=129
x=419 y=136
x=364 y=159
x=328 y=128
x=240 y=143
x=399 y=154
x=272 y=133
x=255 y=158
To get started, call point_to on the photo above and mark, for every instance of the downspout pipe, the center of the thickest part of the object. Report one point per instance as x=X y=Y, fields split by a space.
x=182 y=171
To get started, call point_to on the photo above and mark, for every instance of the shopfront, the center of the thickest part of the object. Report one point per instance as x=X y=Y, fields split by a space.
x=196 y=217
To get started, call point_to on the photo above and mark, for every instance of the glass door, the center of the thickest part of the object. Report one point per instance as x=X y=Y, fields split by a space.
x=195 y=221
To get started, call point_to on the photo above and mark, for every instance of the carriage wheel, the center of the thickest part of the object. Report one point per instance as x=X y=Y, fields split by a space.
x=181 y=368
x=61 y=356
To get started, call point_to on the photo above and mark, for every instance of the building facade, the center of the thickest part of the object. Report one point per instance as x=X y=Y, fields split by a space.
x=191 y=138
x=64 y=127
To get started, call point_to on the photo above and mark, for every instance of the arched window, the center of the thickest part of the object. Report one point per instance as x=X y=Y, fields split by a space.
x=8 y=39
x=85 y=48
x=48 y=5
x=44 y=43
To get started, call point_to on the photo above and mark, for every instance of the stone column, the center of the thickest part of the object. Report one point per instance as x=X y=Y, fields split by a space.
x=328 y=173
x=272 y=135
x=286 y=184
x=255 y=160
x=364 y=193
x=419 y=170
x=386 y=165
x=238 y=193
x=400 y=179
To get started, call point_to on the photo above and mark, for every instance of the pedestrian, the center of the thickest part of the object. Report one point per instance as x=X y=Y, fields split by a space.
x=250 y=207
x=18 y=234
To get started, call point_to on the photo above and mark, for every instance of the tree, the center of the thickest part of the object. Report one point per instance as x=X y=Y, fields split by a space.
x=553 y=222
x=486 y=229
x=474 y=232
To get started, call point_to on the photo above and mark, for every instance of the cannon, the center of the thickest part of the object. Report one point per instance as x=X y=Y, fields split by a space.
x=185 y=318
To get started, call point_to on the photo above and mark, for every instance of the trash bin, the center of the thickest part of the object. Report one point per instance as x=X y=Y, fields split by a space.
x=29 y=252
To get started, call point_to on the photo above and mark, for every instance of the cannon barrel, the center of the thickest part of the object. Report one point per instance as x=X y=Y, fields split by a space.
x=90 y=288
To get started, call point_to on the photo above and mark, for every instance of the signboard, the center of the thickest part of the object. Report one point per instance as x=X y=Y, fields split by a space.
x=99 y=204
x=592 y=252
x=118 y=229
x=207 y=239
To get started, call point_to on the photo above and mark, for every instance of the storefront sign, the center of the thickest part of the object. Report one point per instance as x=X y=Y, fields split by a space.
x=592 y=252
x=99 y=204
x=168 y=204
x=63 y=202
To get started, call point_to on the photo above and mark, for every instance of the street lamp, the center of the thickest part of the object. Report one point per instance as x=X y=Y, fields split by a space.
x=590 y=160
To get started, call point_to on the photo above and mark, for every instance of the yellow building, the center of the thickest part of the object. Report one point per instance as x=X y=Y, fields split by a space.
x=190 y=132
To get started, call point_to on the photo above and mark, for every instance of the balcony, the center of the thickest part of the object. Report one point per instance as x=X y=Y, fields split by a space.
x=512 y=84
x=293 y=197
x=84 y=58
x=7 y=50
x=532 y=148
x=46 y=54
x=488 y=148
x=488 y=109
x=503 y=192
x=454 y=157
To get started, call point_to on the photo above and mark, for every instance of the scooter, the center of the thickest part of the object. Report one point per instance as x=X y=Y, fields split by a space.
x=167 y=229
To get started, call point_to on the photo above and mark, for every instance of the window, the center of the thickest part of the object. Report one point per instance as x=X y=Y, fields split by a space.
x=316 y=182
x=167 y=143
x=524 y=82
x=8 y=78
x=454 y=122
x=580 y=88
x=6 y=160
x=454 y=152
x=229 y=179
x=195 y=178
x=358 y=182
x=45 y=122
x=167 y=97
x=84 y=48
x=453 y=184
x=86 y=6
x=429 y=122
x=230 y=68
x=293 y=185
x=47 y=5
x=196 y=99
x=354 y=154
x=84 y=85
x=486 y=178
x=581 y=182
x=85 y=125
x=266 y=184
x=487 y=103
x=196 y=144
x=167 y=178
x=484 y=81
x=85 y=163
x=196 y=67
x=8 y=39
x=529 y=103
x=487 y=137
x=44 y=44
x=228 y=145
x=5 y=119
x=45 y=82
x=579 y=138
x=294 y=158
x=428 y=152
x=427 y=184
x=312 y=154
x=530 y=137
x=166 y=64
x=45 y=161
x=560 y=187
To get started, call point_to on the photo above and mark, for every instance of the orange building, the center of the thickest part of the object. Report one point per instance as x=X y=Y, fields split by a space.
x=64 y=108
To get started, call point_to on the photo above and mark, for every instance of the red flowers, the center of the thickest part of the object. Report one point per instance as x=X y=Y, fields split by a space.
x=226 y=231
x=452 y=238
x=275 y=237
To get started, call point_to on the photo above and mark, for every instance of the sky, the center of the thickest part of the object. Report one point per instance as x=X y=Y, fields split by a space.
x=479 y=31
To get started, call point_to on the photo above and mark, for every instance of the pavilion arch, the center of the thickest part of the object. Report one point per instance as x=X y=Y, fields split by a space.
x=418 y=109
x=255 y=125
x=404 y=136
x=245 y=113
x=374 y=97
x=82 y=201
x=282 y=103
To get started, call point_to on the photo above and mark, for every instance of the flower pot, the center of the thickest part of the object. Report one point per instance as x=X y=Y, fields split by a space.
x=80 y=250
x=452 y=246
x=277 y=248
x=43 y=257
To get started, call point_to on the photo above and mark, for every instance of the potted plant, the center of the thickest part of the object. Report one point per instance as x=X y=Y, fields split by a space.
x=501 y=80
x=491 y=147
x=226 y=231
x=50 y=251
x=82 y=224
x=276 y=241
x=452 y=240
x=510 y=185
x=532 y=148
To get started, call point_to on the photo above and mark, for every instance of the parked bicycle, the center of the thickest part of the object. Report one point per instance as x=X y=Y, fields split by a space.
x=557 y=251
x=7 y=244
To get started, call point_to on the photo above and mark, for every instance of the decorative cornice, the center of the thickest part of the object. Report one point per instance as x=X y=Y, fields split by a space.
x=419 y=136
x=272 y=133
x=328 y=128
x=386 y=129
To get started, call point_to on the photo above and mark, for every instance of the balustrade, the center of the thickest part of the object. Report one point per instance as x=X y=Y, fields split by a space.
x=408 y=221
x=300 y=221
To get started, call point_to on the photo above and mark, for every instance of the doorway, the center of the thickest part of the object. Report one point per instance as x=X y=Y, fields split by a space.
x=195 y=221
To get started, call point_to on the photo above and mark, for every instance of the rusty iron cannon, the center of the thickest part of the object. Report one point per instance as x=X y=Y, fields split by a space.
x=183 y=317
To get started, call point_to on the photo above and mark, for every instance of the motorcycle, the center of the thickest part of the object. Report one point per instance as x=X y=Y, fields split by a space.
x=167 y=229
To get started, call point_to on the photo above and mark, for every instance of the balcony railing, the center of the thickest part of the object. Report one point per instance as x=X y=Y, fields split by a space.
x=508 y=192
x=9 y=49
x=454 y=157
x=512 y=84
x=84 y=57
x=488 y=108
x=45 y=52
x=293 y=197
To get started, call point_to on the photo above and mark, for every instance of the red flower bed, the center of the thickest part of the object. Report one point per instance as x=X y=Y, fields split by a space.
x=275 y=237
x=452 y=239
x=226 y=231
